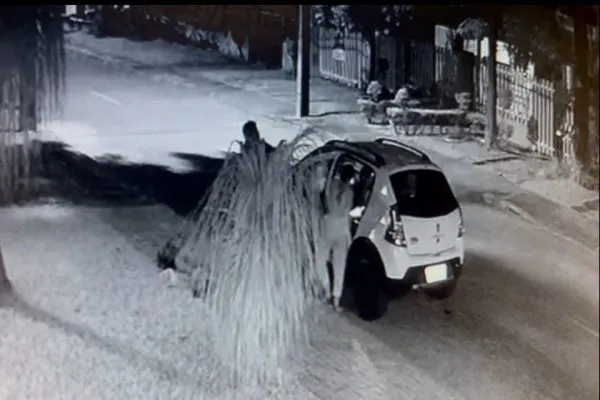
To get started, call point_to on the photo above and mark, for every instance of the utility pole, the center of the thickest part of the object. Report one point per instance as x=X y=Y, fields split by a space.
x=491 y=120
x=303 y=69
x=582 y=101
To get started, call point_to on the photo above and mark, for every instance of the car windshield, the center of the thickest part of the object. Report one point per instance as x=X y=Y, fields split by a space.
x=423 y=193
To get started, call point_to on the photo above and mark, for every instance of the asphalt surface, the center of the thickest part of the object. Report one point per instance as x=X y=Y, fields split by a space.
x=523 y=321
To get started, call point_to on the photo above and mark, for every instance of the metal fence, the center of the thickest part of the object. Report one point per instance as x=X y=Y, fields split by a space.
x=531 y=109
x=443 y=65
x=420 y=68
x=343 y=58
x=534 y=113
x=422 y=63
x=537 y=111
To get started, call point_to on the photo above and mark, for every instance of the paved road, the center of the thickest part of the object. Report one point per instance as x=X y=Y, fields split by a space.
x=146 y=115
x=524 y=323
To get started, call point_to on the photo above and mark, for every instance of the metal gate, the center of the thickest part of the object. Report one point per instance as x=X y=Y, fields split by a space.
x=343 y=58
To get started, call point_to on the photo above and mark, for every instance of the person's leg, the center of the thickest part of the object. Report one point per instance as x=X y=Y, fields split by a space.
x=322 y=261
x=321 y=248
x=338 y=263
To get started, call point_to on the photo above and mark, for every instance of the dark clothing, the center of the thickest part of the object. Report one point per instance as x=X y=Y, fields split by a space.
x=385 y=94
x=250 y=131
x=252 y=137
x=268 y=148
x=248 y=146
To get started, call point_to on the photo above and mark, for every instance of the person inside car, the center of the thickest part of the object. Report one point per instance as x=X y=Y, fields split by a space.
x=364 y=183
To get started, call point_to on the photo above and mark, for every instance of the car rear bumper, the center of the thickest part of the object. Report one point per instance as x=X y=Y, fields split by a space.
x=400 y=265
x=416 y=275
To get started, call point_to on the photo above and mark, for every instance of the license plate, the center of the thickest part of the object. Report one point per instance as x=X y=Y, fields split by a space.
x=436 y=273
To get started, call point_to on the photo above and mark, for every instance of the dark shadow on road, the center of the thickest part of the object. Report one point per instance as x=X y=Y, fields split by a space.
x=80 y=178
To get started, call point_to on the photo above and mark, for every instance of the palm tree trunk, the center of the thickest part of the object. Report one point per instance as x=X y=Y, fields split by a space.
x=491 y=116
x=582 y=91
x=32 y=72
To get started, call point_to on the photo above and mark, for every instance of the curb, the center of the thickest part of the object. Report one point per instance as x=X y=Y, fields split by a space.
x=507 y=205
x=560 y=220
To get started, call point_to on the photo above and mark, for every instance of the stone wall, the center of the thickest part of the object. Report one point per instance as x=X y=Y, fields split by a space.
x=251 y=33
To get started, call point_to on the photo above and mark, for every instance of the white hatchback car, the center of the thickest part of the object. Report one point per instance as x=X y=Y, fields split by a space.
x=407 y=225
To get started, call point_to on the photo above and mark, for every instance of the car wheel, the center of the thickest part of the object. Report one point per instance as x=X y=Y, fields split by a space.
x=441 y=292
x=400 y=289
x=367 y=289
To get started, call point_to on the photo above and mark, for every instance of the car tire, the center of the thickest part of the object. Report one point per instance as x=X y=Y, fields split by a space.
x=400 y=289
x=367 y=290
x=441 y=292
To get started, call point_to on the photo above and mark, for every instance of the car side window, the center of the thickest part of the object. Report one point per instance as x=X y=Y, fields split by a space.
x=362 y=182
x=363 y=188
x=316 y=167
x=335 y=173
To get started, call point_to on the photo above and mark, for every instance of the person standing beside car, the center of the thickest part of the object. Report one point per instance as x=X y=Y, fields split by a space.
x=339 y=203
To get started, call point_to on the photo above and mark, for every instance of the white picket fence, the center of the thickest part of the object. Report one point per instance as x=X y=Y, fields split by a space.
x=533 y=106
x=531 y=112
x=343 y=59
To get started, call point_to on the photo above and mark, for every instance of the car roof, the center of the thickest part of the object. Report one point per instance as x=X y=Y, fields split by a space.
x=382 y=152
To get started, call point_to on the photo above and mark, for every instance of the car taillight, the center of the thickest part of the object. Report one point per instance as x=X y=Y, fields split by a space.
x=395 y=231
x=461 y=224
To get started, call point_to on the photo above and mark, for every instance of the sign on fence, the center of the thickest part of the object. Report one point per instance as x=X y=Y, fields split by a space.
x=338 y=54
